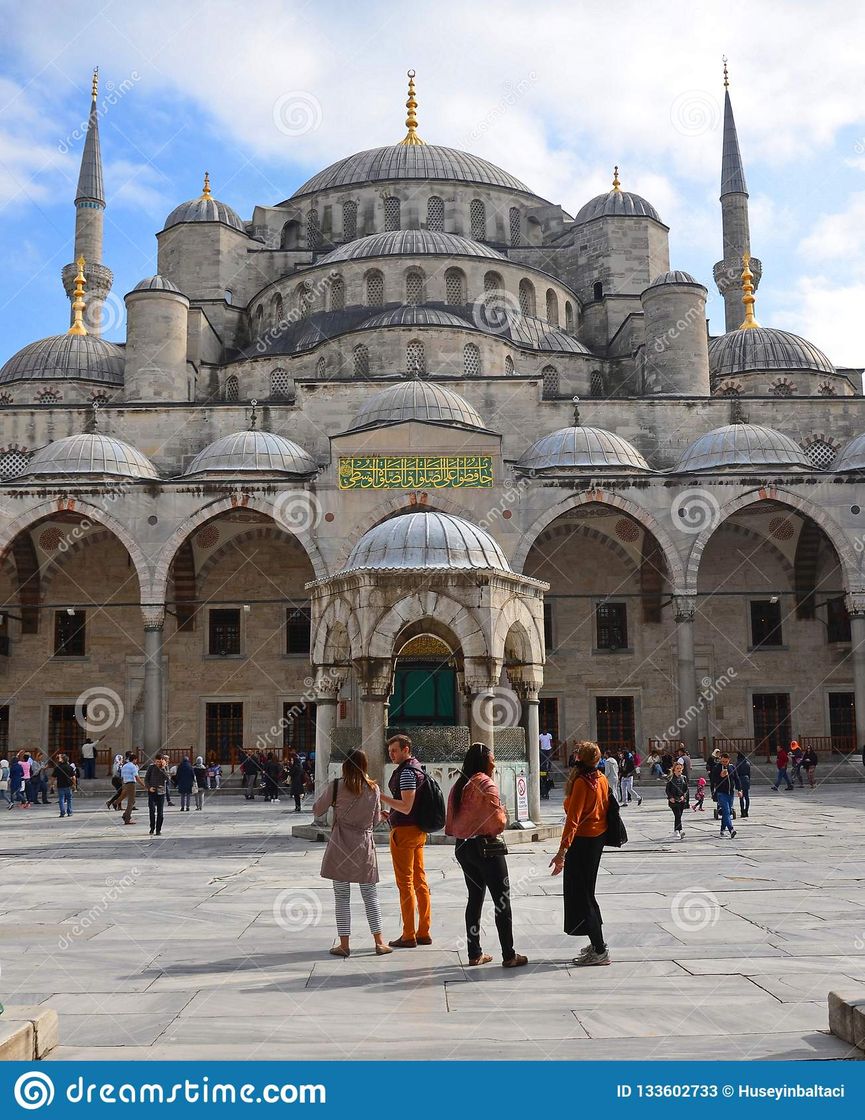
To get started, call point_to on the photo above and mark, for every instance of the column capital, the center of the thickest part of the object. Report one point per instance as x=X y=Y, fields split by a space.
x=154 y=615
x=685 y=607
x=328 y=683
x=476 y=685
x=855 y=602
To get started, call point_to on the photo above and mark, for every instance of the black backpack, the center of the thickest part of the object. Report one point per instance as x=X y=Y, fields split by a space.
x=429 y=807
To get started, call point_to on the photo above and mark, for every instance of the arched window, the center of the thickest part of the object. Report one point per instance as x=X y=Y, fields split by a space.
x=290 y=236
x=478 y=220
x=552 y=308
x=730 y=390
x=596 y=383
x=826 y=389
x=313 y=233
x=455 y=287
x=349 y=221
x=415 y=360
x=509 y=364
x=100 y=397
x=551 y=381
x=527 y=297
x=569 y=316
x=516 y=225
x=13 y=463
x=361 y=361
x=48 y=396
x=414 y=288
x=435 y=214
x=303 y=300
x=374 y=289
x=598 y=290
x=232 y=389
x=391 y=214
x=320 y=367
x=259 y=315
x=471 y=360
x=493 y=282
x=821 y=453
x=279 y=384
x=337 y=294
x=278 y=310
x=783 y=388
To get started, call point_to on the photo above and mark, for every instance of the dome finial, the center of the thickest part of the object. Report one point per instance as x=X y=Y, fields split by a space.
x=748 y=299
x=411 y=137
x=726 y=74
x=576 y=401
x=253 y=416
x=95 y=86
x=616 y=184
x=205 y=193
x=78 y=301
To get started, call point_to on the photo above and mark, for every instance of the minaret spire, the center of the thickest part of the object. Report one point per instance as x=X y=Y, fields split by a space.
x=411 y=137
x=89 y=221
x=734 y=217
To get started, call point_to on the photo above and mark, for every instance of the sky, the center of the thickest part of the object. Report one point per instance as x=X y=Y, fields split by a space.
x=263 y=94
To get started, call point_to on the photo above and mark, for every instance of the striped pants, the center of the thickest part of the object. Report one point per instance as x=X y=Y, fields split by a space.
x=342 y=899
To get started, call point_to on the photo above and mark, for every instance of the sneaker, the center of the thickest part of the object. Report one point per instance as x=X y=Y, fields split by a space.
x=682 y=834
x=723 y=830
x=639 y=801
x=593 y=958
x=584 y=952
x=732 y=834
x=276 y=801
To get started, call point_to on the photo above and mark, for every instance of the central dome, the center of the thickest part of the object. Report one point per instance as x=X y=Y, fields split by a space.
x=417 y=400
x=410 y=243
x=410 y=161
x=426 y=540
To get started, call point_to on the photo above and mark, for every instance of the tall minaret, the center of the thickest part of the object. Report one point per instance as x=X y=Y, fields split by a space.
x=89 y=219
x=734 y=217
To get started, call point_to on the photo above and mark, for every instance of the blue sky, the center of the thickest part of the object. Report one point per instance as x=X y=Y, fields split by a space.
x=263 y=94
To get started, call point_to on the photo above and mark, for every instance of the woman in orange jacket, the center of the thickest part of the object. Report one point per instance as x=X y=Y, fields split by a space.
x=586 y=797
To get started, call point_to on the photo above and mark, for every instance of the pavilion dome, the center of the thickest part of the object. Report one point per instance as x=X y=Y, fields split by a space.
x=417 y=400
x=66 y=357
x=426 y=540
x=742 y=446
x=252 y=452
x=410 y=243
x=88 y=454
x=582 y=447
x=764 y=349
x=616 y=204
x=205 y=208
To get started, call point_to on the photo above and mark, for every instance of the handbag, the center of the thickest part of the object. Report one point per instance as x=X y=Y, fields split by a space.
x=331 y=812
x=492 y=846
x=616 y=834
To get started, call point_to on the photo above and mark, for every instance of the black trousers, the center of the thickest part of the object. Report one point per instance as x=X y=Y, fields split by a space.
x=580 y=876
x=482 y=875
x=156 y=804
x=678 y=808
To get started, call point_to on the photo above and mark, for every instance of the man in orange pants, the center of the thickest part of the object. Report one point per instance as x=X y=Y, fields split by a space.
x=407 y=842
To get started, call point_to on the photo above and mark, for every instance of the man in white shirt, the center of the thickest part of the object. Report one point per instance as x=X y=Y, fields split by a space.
x=545 y=741
x=88 y=757
x=129 y=777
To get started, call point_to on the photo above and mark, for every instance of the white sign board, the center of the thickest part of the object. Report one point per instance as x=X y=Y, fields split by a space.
x=522 y=797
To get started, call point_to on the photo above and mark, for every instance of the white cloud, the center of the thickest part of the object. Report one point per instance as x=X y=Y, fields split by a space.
x=839 y=236
x=829 y=315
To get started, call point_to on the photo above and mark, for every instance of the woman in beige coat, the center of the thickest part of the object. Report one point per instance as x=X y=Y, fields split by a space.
x=350 y=853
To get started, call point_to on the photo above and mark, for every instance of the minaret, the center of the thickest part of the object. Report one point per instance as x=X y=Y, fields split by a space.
x=734 y=217
x=89 y=220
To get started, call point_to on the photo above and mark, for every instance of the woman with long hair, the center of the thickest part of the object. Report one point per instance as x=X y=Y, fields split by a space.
x=350 y=854
x=587 y=795
x=476 y=817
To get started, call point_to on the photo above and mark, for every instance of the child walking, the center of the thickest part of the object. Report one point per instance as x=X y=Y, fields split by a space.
x=700 y=795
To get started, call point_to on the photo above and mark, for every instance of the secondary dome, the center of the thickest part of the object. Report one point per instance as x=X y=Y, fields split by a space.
x=852 y=456
x=411 y=315
x=155 y=283
x=576 y=447
x=410 y=161
x=205 y=208
x=89 y=454
x=426 y=540
x=764 y=349
x=66 y=357
x=410 y=243
x=616 y=204
x=675 y=276
x=416 y=400
x=742 y=446
x=245 y=452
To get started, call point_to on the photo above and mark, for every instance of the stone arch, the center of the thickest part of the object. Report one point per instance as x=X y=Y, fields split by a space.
x=188 y=526
x=515 y=614
x=674 y=562
x=850 y=566
x=570 y=529
x=335 y=618
x=432 y=606
x=54 y=565
x=257 y=532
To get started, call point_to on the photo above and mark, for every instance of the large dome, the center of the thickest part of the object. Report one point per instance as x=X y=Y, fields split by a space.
x=576 y=447
x=246 y=452
x=89 y=454
x=616 y=204
x=410 y=161
x=764 y=349
x=743 y=446
x=66 y=357
x=426 y=540
x=410 y=243
x=416 y=400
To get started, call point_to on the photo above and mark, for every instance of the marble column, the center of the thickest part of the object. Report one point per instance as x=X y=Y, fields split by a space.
x=154 y=621
x=686 y=608
x=482 y=697
x=374 y=676
x=531 y=722
x=327 y=687
x=856 y=609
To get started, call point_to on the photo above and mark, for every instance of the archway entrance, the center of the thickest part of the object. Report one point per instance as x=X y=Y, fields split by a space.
x=425 y=684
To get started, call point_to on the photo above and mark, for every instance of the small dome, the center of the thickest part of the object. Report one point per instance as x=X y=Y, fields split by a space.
x=66 y=357
x=426 y=540
x=576 y=447
x=244 y=452
x=764 y=349
x=205 y=208
x=676 y=276
x=416 y=400
x=410 y=161
x=410 y=315
x=616 y=204
x=851 y=457
x=155 y=283
x=89 y=454
x=742 y=446
x=528 y=330
x=410 y=243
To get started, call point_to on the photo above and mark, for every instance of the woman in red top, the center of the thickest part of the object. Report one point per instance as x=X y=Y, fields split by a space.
x=586 y=797
x=476 y=817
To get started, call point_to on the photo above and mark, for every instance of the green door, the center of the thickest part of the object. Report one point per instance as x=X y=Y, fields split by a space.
x=424 y=693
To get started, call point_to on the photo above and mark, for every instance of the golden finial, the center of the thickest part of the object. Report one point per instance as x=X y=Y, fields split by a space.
x=78 y=302
x=616 y=184
x=411 y=137
x=726 y=75
x=748 y=294
x=95 y=86
x=206 y=191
